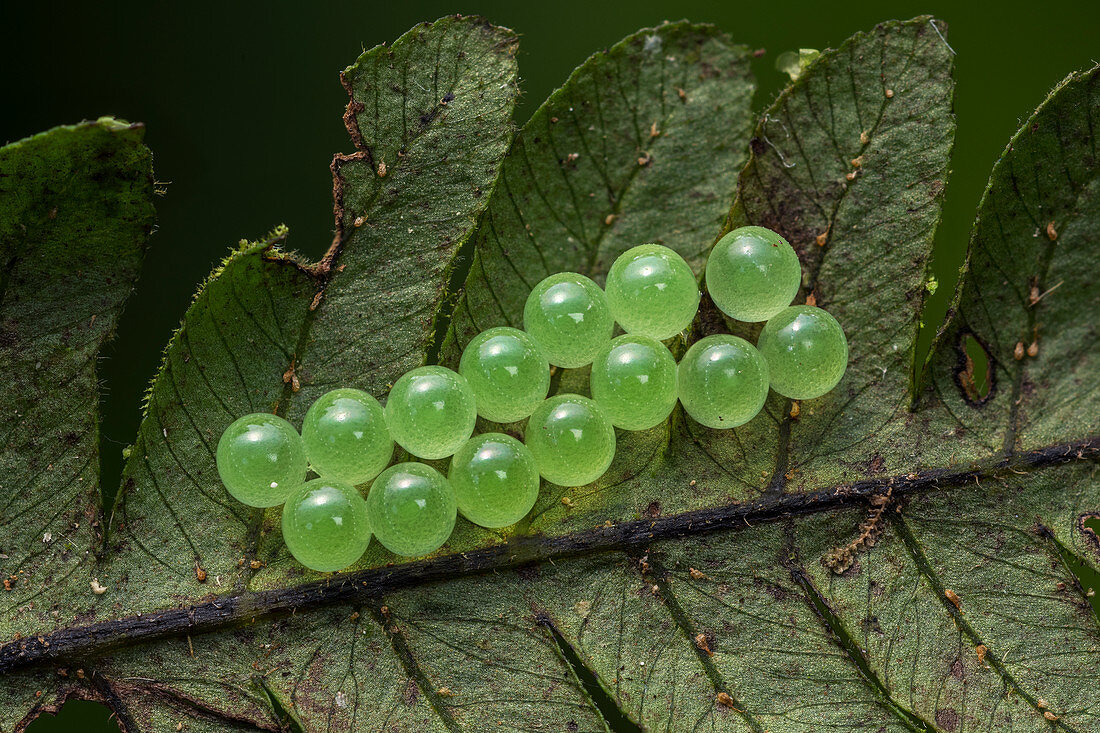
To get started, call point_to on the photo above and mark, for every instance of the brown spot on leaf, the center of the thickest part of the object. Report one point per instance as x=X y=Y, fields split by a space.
x=953 y=597
x=1052 y=233
x=411 y=692
x=652 y=510
x=528 y=572
x=1090 y=534
x=947 y=718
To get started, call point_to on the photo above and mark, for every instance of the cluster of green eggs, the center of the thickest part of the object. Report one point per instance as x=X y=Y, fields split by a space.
x=722 y=381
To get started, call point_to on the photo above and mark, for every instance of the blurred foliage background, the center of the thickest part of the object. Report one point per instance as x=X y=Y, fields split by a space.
x=243 y=106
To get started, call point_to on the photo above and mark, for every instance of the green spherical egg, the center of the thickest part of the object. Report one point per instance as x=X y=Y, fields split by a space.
x=572 y=440
x=412 y=509
x=345 y=436
x=507 y=372
x=431 y=412
x=652 y=291
x=634 y=381
x=568 y=317
x=261 y=459
x=325 y=525
x=806 y=352
x=752 y=274
x=495 y=480
x=723 y=381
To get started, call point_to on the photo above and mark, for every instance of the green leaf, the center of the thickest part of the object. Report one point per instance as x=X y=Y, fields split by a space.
x=270 y=333
x=75 y=211
x=1030 y=287
x=897 y=555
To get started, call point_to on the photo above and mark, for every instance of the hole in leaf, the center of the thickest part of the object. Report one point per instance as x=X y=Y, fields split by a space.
x=82 y=715
x=617 y=720
x=974 y=375
x=1090 y=525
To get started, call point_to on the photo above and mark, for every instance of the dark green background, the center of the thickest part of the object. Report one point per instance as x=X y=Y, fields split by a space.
x=243 y=108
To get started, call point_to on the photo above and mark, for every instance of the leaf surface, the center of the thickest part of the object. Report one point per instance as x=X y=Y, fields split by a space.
x=897 y=555
x=75 y=211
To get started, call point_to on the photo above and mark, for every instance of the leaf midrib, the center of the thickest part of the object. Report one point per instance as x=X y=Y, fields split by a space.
x=341 y=588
